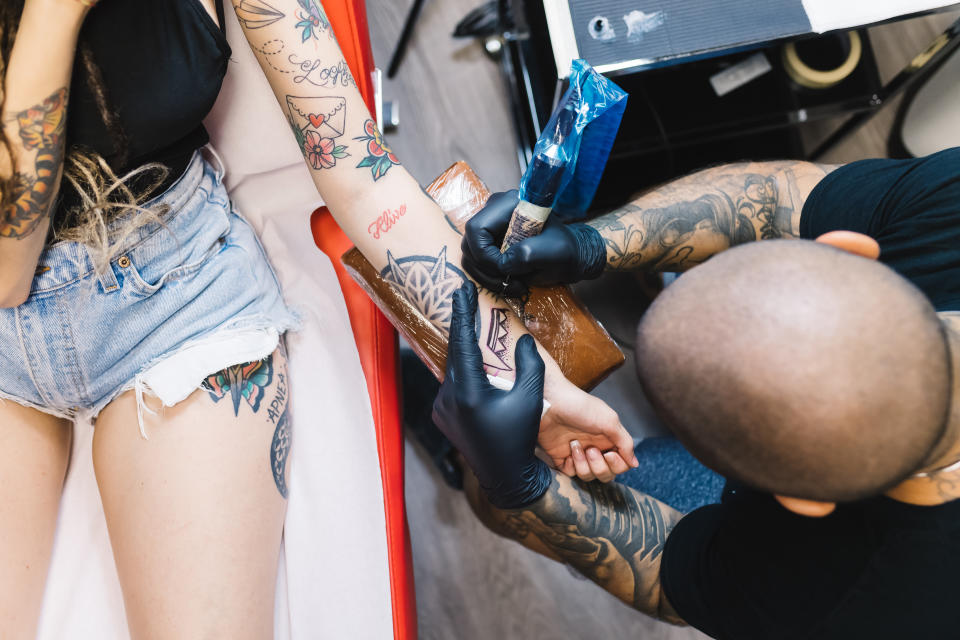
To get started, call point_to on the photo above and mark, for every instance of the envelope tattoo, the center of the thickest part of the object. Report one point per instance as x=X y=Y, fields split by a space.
x=327 y=116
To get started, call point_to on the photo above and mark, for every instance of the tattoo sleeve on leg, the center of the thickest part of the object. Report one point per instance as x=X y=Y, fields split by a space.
x=279 y=416
x=41 y=129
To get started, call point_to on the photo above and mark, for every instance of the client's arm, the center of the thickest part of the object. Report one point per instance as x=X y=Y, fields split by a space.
x=383 y=210
x=612 y=534
x=34 y=116
x=670 y=228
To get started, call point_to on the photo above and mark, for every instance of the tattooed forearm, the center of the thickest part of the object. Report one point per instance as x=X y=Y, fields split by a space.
x=608 y=532
x=41 y=131
x=685 y=222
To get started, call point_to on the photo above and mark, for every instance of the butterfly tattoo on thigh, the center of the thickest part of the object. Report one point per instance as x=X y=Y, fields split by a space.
x=243 y=383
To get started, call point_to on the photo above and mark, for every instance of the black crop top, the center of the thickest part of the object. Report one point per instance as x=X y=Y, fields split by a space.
x=162 y=63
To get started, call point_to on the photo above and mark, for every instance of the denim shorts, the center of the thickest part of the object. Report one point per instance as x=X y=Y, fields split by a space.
x=182 y=298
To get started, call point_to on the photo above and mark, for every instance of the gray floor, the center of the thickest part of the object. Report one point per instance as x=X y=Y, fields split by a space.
x=472 y=585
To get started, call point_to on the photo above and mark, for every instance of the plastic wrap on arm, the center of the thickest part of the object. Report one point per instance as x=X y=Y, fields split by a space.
x=582 y=348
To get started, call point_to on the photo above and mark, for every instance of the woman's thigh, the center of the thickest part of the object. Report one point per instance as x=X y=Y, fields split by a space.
x=195 y=513
x=34 y=449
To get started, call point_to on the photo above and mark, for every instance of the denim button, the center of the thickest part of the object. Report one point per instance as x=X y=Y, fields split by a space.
x=123 y=262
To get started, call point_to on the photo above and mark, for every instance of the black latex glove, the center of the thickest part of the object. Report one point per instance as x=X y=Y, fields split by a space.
x=560 y=254
x=495 y=430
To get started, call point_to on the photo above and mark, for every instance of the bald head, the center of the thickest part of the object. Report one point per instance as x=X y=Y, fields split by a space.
x=798 y=369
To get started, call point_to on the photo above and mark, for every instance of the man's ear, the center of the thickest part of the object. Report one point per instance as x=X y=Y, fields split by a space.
x=809 y=508
x=852 y=242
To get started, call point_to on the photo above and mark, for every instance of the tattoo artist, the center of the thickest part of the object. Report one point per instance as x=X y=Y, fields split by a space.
x=813 y=382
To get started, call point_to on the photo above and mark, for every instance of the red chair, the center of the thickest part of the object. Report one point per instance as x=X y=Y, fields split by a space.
x=376 y=340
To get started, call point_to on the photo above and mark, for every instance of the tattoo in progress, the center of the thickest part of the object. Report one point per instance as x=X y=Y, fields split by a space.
x=379 y=155
x=610 y=533
x=707 y=213
x=385 y=221
x=312 y=19
x=256 y=14
x=428 y=282
x=41 y=129
x=313 y=72
x=498 y=340
x=243 y=382
x=316 y=124
x=278 y=415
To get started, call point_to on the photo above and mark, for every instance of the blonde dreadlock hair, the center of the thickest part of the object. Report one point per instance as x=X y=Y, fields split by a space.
x=103 y=196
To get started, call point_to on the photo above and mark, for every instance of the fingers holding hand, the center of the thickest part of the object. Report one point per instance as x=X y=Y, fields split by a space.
x=580 y=464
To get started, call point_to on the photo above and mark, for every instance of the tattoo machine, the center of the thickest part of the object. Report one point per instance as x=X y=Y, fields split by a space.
x=570 y=154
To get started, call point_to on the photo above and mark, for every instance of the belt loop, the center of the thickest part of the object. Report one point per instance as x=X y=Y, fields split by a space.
x=216 y=161
x=107 y=278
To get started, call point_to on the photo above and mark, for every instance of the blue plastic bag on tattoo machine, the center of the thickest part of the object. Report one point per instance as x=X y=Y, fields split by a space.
x=572 y=150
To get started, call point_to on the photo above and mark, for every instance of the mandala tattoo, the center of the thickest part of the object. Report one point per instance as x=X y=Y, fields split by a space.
x=243 y=382
x=428 y=283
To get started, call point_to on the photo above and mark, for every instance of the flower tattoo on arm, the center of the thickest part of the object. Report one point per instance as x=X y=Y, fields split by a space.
x=312 y=20
x=316 y=124
x=379 y=156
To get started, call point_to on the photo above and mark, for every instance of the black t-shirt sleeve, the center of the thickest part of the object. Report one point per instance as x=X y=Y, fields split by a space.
x=747 y=568
x=911 y=207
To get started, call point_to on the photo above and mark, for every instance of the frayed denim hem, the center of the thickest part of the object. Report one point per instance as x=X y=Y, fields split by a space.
x=239 y=341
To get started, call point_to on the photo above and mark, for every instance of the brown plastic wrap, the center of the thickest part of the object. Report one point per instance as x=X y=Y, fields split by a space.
x=582 y=348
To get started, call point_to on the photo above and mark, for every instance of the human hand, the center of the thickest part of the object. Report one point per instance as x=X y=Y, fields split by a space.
x=561 y=253
x=495 y=430
x=584 y=437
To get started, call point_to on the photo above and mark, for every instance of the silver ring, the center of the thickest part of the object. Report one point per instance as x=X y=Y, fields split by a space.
x=505 y=284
